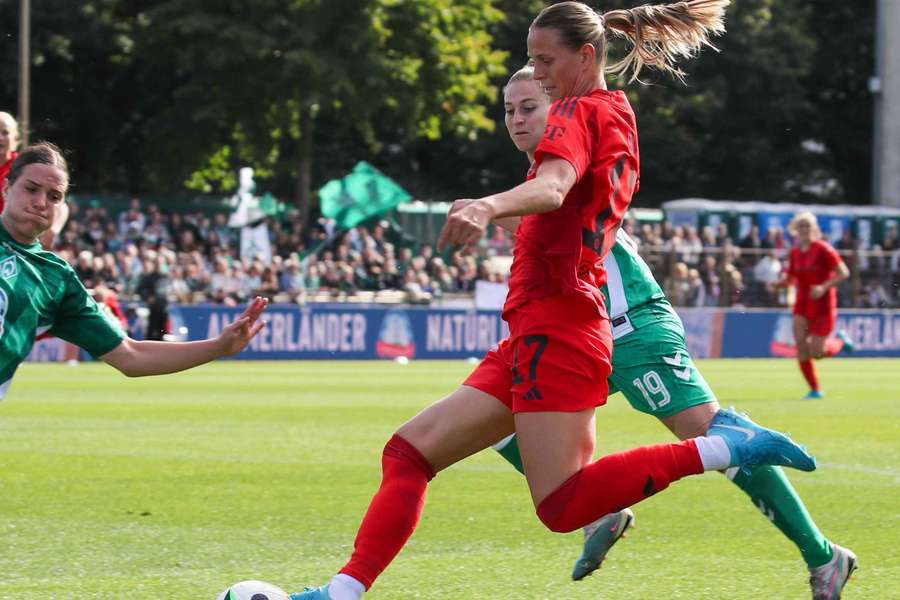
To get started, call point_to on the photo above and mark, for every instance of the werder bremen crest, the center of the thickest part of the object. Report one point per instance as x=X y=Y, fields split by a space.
x=9 y=267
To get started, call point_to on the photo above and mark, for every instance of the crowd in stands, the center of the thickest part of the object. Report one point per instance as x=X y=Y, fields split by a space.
x=155 y=256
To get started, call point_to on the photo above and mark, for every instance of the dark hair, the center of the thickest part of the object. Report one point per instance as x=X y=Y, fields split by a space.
x=660 y=34
x=40 y=153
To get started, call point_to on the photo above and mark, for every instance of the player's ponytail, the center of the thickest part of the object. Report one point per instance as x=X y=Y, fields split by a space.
x=663 y=34
x=660 y=34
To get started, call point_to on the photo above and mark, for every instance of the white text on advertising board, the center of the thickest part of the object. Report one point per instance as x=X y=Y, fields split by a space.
x=295 y=332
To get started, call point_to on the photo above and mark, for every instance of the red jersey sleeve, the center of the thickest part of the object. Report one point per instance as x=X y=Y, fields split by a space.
x=567 y=135
x=792 y=264
x=830 y=256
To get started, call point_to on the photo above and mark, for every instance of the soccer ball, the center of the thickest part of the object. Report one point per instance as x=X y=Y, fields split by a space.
x=253 y=590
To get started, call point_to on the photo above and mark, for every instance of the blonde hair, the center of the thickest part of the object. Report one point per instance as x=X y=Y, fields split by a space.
x=660 y=34
x=15 y=127
x=526 y=73
x=808 y=218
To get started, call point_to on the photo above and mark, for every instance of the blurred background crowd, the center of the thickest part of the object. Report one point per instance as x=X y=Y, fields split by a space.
x=146 y=254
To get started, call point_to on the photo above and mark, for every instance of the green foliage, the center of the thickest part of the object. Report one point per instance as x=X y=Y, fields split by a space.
x=364 y=65
x=157 y=96
x=173 y=487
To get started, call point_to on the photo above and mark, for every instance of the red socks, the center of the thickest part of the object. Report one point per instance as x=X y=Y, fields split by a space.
x=605 y=486
x=809 y=372
x=617 y=481
x=393 y=513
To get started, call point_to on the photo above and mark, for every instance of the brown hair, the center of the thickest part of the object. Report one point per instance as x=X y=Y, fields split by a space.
x=660 y=34
x=41 y=153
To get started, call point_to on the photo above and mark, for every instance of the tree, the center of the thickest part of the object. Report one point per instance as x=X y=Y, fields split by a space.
x=259 y=78
x=169 y=96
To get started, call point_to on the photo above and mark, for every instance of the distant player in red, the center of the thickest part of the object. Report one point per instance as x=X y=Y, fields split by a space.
x=546 y=379
x=9 y=142
x=815 y=268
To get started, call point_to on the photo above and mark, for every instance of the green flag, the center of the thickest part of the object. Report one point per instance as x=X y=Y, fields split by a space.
x=362 y=194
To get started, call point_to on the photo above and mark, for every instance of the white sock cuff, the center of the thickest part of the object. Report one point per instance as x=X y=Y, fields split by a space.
x=503 y=443
x=714 y=452
x=344 y=587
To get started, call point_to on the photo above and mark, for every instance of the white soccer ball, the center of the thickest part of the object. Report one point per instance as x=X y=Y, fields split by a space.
x=253 y=590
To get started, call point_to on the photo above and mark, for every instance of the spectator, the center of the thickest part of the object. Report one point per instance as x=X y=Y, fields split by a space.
x=696 y=292
x=677 y=285
x=132 y=221
x=766 y=274
x=690 y=247
x=891 y=242
x=845 y=244
x=153 y=289
x=752 y=239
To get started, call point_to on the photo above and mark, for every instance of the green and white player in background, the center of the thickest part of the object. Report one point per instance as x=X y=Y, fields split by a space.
x=653 y=369
x=40 y=292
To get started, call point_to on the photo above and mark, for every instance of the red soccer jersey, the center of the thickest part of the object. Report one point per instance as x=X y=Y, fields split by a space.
x=4 y=173
x=812 y=267
x=562 y=251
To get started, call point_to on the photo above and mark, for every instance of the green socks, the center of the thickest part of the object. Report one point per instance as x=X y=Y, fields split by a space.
x=509 y=449
x=773 y=494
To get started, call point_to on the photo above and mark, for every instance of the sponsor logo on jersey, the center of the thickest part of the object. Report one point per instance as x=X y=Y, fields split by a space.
x=554 y=132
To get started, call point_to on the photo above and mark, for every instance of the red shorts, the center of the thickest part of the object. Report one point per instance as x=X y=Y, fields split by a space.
x=557 y=358
x=820 y=324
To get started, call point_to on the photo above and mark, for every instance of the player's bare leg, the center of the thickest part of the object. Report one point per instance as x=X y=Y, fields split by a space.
x=463 y=423
x=817 y=346
x=554 y=447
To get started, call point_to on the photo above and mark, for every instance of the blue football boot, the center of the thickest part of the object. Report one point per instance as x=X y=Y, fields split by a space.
x=752 y=444
x=319 y=593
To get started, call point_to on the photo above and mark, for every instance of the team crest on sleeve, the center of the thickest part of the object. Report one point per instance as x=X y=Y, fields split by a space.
x=9 y=268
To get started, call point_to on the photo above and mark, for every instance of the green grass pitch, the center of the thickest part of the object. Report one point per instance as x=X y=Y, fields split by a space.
x=173 y=487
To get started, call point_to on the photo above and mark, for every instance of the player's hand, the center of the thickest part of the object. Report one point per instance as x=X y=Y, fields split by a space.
x=466 y=223
x=816 y=291
x=237 y=335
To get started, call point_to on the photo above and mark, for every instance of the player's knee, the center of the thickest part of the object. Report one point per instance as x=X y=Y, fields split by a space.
x=554 y=522
x=399 y=456
x=554 y=511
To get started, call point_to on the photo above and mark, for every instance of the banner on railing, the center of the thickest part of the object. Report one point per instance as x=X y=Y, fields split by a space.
x=356 y=332
x=335 y=331
x=770 y=333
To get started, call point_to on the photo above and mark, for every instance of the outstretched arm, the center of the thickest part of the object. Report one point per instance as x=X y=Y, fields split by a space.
x=468 y=218
x=138 y=358
x=508 y=223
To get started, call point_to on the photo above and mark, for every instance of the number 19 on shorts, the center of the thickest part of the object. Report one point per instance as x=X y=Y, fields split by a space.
x=653 y=389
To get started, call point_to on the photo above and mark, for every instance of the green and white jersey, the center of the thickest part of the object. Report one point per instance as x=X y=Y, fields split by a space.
x=40 y=292
x=630 y=284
